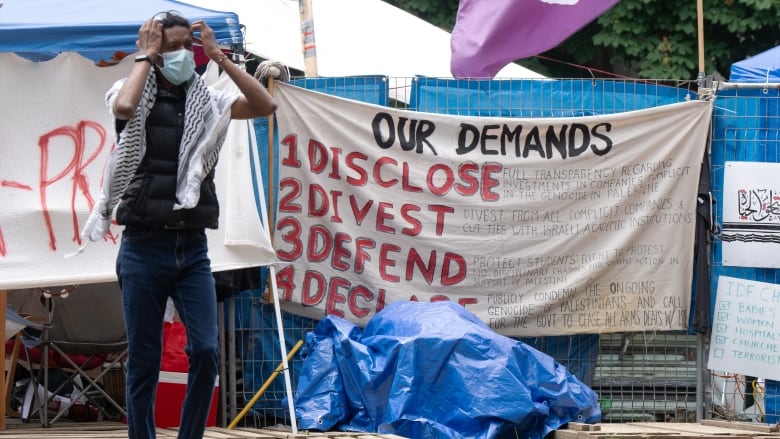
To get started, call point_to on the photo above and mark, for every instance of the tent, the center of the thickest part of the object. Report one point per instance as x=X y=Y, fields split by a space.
x=95 y=28
x=764 y=67
x=352 y=37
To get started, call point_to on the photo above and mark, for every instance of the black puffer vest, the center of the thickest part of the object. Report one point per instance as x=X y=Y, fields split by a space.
x=149 y=198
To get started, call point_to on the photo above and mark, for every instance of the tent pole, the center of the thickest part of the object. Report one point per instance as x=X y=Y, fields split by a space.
x=283 y=347
x=307 y=38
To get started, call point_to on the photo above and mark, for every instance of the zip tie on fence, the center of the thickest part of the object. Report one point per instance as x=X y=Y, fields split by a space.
x=265 y=385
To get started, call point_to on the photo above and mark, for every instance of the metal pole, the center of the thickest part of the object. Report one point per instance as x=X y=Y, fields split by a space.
x=283 y=347
x=223 y=378
x=231 y=349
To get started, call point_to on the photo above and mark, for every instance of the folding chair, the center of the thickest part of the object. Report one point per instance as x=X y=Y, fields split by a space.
x=16 y=326
x=84 y=331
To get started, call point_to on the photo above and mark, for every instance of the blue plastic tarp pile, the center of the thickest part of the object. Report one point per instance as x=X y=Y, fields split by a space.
x=433 y=370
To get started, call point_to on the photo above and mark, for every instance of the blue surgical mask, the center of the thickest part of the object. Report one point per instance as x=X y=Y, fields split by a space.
x=178 y=66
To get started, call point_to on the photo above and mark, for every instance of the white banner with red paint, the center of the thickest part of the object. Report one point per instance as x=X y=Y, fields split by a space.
x=538 y=226
x=56 y=135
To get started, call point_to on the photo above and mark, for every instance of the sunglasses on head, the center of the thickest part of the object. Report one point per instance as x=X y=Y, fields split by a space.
x=167 y=15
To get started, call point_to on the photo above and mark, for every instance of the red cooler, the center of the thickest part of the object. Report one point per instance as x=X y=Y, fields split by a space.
x=170 y=397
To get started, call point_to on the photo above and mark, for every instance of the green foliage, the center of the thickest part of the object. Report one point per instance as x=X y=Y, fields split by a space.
x=646 y=38
x=440 y=13
x=654 y=39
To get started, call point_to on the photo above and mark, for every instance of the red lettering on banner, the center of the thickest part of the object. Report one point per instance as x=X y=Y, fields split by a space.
x=385 y=261
x=340 y=252
x=345 y=254
x=291 y=159
x=352 y=164
x=335 y=297
x=463 y=301
x=12 y=185
x=338 y=295
x=361 y=256
x=313 y=288
x=318 y=156
x=76 y=167
x=320 y=243
x=15 y=185
x=469 y=179
x=335 y=195
x=286 y=202
x=292 y=236
x=382 y=215
x=359 y=213
x=285 y=282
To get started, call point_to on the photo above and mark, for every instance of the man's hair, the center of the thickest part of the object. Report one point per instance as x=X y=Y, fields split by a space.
x=171 y=18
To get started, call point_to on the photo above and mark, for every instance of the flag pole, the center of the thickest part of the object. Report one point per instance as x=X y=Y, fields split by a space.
x=307 y=38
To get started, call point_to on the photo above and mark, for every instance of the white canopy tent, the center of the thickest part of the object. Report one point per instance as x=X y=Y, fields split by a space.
x=352 y=37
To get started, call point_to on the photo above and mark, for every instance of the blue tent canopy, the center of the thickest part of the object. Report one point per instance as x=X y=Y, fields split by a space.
x=764 y=67
x=95 y=28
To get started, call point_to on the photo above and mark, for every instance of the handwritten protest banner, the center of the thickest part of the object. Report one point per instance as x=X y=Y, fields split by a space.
x=538 y=226
x=746 y=328
x=56 y=137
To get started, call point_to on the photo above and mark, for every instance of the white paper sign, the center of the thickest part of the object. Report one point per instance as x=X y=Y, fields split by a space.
x=746 y=328
x=751 y=215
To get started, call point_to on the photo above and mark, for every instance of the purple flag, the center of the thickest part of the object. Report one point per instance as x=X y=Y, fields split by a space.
x=490 y=34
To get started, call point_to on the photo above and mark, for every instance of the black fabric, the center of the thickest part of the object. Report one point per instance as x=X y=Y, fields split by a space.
x=151 y=194
x=704 y=214
x=231 y=282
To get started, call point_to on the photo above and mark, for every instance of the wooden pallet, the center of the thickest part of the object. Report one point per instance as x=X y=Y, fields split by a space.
x=113 y=430
x=707 y=429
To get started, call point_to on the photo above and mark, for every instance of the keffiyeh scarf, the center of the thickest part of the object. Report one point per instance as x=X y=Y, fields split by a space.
x=207 y=117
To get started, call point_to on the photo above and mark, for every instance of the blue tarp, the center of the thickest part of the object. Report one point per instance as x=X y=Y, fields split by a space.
x=94 y=28
x=764 y=67
x=434 y=370
x=539 y=98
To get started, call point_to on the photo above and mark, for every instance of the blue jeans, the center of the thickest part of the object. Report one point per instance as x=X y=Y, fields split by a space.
x=153 y=265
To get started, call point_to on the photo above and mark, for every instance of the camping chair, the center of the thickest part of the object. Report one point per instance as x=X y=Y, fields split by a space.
x=16 y=332
x=83 y=333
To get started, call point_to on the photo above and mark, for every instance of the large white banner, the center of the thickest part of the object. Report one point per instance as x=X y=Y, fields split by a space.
x=538 y=226
x=56 y=134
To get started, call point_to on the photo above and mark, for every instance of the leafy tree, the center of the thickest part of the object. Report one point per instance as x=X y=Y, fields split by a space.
x=646 y=38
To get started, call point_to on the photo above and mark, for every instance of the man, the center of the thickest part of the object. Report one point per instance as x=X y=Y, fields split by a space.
x=170 y=128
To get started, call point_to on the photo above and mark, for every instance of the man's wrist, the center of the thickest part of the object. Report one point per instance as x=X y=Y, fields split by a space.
x=144 y=57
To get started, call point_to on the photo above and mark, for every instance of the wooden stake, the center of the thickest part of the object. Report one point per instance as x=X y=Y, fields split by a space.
x=271 y=165
x=700 y=24
x=271 y=208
